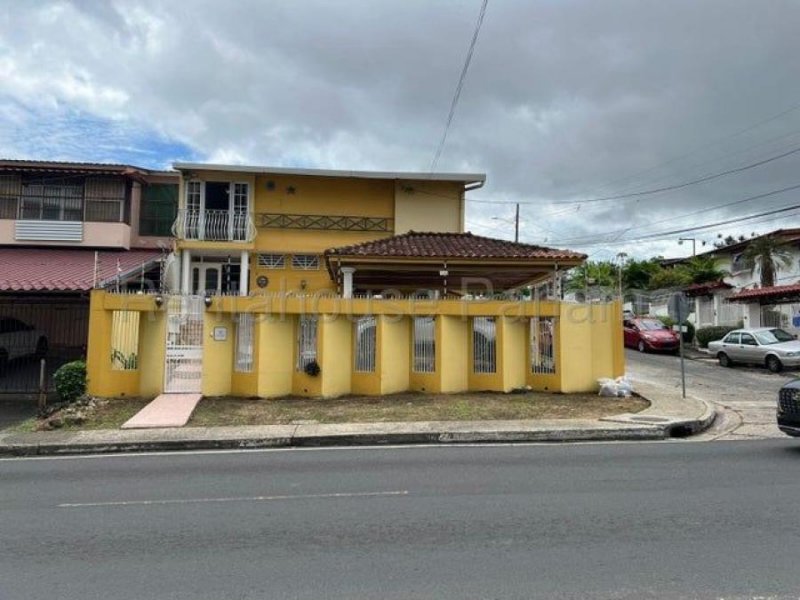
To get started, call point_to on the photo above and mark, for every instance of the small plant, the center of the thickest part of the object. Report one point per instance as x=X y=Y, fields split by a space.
x=126 y=362
x=70 y=380
x=312 y=368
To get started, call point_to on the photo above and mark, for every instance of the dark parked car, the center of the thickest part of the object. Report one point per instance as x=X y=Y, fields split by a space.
x=19 y=340
x=647 y=335
x=789 y=408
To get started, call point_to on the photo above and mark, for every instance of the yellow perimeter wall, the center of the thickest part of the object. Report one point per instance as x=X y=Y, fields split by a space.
x=587 y=339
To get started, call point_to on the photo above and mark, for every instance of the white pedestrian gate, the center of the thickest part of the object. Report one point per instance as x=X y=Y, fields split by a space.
x=183 y=371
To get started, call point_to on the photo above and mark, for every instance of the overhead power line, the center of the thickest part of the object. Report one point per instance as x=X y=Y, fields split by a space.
x=691 y=214
x=460 y=86
x=674 y=232
x=667 y=188
x=695 y=150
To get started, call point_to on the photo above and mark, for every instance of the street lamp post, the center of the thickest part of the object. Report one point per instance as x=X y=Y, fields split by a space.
x=621 y=256
x=516 y=223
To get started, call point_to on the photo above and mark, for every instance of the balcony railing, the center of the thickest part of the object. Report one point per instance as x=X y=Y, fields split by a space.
x=324 y=222
x=214 y=226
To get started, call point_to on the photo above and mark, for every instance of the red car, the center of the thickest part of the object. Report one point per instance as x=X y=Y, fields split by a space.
x=650 y=335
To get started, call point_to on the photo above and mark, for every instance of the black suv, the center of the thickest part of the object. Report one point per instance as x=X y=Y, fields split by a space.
x=789 y=408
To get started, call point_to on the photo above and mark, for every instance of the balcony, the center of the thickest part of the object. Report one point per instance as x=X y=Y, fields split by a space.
x=214 y=226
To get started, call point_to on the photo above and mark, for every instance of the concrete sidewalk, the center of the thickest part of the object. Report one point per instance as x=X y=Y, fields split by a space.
x=668 y=416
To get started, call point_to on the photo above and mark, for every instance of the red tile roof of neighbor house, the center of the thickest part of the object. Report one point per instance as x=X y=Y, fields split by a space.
x=60 y=270
x=775 y=291
x=452 y=246
x=700 y=289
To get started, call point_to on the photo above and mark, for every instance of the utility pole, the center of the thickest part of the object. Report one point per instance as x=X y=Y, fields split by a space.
x=516 y=225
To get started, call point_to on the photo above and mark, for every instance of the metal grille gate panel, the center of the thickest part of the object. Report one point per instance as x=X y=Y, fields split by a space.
x=33 y=328
x=183 y=371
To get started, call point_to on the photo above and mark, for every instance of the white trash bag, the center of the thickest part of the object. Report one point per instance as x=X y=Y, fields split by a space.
x=608 y=387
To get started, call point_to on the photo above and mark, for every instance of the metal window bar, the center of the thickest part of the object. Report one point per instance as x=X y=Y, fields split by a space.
x=484 y=347
x=366 y=342
x=272 y=261
x=125 y=340
x=245 y=345
x=305 y=262
x=424 y=345
x=105 y=199
x=306 y=341
x=51 y=202
x=543 y=345
x=10 y=191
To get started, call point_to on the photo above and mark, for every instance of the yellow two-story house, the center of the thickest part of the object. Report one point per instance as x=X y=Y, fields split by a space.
x=327 y=283
x=242 y=229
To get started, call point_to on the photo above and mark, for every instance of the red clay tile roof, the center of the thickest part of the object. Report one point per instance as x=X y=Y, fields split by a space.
x=775 y=291
x=56 y=269
x=79 y=168
x=700 y=289
x=452 y=246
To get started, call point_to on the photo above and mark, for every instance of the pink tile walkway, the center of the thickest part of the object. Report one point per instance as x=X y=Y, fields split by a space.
x=168 y=410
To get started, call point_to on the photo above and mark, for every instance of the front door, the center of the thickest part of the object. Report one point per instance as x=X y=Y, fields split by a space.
x=207 y=278
x=183 y=372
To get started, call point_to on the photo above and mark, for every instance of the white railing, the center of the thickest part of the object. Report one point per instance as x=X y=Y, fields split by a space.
x=214 y=226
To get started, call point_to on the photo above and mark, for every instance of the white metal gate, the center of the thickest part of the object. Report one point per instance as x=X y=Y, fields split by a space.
x=183 y=371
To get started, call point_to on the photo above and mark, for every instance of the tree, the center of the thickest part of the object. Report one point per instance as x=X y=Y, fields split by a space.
x=767 y=253
x=636 y=274
x=599 y=273
x=703 y=269
x=676 y=277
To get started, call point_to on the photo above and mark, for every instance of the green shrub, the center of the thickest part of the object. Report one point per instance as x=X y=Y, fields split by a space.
x=70 y=380
x=688 y=335
x=710 y=334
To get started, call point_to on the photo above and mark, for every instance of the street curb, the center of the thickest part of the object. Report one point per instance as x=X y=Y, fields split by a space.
x=640 y=432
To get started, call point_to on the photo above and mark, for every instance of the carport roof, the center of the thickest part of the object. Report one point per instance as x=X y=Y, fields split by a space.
x=64 y=270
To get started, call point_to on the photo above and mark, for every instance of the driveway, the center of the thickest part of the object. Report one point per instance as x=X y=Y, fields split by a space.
x=13 y=411
x=746 y=395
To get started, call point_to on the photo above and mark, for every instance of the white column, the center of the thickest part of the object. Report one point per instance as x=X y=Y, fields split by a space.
x=347 y=281
x=186 y=272
x=243 y=273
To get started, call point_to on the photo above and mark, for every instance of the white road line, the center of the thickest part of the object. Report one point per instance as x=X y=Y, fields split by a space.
x=233 y=499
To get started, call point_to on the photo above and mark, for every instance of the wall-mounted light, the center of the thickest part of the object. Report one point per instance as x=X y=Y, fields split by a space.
x=159 y=300
x=303 y=284
x=208 y=301
x=291 y=189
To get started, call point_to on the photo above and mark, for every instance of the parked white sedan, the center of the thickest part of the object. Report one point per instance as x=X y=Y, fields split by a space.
x=768 y=346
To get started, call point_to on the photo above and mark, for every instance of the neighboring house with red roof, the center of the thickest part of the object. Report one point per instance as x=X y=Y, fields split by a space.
x=66 y=228
x=726 y=302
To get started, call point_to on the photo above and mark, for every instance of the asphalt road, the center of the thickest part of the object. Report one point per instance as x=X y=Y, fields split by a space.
x=638 y=521
x=747 y=395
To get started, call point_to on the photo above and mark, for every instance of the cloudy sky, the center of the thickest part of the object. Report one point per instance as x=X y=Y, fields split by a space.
x=565 y=103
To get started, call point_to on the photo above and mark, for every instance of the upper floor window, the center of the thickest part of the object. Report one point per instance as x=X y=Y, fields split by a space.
x=216 y=211
x=158 y=209
x=51 y=202
x=105 y=199
x=738 y=263
x=305 y=262
x=51 y=198
x=10 y=190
